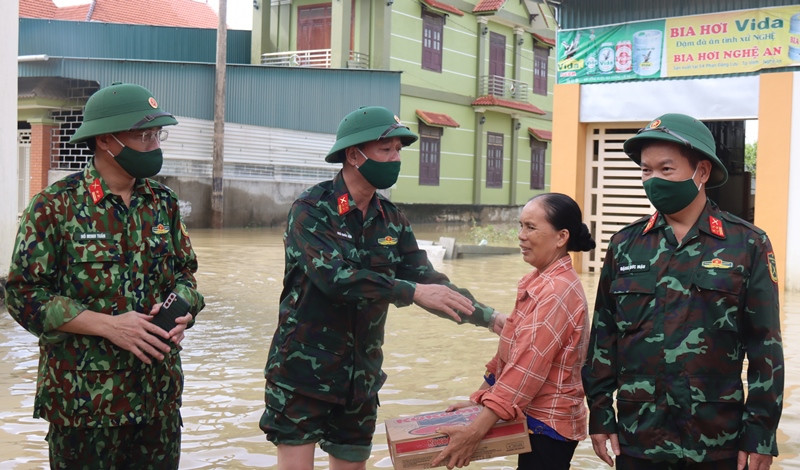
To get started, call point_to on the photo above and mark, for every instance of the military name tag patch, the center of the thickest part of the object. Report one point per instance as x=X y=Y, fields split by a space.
x=92 y=236
x=344 y=235
x=387 y=240
x=717 y=263
x=634 y=268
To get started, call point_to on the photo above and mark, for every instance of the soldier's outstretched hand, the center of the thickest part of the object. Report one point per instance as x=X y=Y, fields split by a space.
x=444 y=299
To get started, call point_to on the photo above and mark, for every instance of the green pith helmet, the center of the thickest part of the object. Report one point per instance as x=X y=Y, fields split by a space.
x=120 y=107
x=684 y=130
x=366 y=124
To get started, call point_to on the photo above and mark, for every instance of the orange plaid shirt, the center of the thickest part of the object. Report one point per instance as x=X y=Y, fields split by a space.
x=542 y=349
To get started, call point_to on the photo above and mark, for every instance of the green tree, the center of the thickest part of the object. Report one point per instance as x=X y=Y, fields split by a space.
x=750 y=151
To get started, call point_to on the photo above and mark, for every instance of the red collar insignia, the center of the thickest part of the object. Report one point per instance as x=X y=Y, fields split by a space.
x=343 y=203
x=715 y=225
x=96 y=190
x=650 y=223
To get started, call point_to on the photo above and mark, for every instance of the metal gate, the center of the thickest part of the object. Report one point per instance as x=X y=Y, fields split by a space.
x=614 y=193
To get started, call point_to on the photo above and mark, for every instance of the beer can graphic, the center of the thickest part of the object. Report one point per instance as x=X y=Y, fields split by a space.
x=622 y=60
x=647 y=52
x=605 y=58
x=794 y=38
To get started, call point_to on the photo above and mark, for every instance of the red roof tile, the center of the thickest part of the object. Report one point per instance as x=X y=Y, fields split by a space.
x=490 y=100
x=538 y=37
x=437 y=119
x=443 y=6
x=37 y=9
x=178 y=13
x=540 y=134
x=488 y=5
x=72 y=13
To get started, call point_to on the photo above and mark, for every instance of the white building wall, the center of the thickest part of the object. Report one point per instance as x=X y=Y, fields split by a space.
x=733 y=98
x=9 y=24
x=793 y=217
x=251 y=152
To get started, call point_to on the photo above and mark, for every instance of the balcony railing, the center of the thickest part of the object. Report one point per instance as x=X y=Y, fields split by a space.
x=502 y=87
x=319 y=58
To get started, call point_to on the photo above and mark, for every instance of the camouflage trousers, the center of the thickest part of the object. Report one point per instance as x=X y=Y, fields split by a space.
x=152 y=446
x=343 y=431
x=625 y=462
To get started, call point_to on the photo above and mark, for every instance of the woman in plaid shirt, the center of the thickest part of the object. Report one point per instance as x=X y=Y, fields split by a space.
x=536 y=373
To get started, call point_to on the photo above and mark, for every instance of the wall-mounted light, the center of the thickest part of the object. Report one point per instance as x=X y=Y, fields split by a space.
x=389 y=2
x=484 y=30
x=517 y=125
x=520 y=41
x=255 y=4
x=483 y=119
x=33 y=58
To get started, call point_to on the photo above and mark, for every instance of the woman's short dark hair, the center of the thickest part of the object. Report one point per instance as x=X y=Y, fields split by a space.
x=563 y=213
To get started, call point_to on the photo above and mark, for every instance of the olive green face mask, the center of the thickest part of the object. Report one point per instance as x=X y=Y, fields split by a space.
x=670 y=197
x=138 y=164
x=381 y=175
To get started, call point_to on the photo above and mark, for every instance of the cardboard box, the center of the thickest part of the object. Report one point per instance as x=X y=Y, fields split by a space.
x=414 y=442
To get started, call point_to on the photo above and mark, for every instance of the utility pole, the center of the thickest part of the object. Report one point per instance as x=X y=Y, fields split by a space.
x=217 y=197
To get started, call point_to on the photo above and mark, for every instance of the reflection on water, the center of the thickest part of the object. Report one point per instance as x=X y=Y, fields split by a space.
x=430 y=362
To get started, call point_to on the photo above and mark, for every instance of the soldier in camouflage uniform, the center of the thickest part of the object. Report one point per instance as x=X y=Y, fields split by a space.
x=684 y=295
x=96 y=254
x=349 y=254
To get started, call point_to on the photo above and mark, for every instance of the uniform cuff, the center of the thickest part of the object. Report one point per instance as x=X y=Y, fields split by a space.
x=58 y=312
x=403 y=292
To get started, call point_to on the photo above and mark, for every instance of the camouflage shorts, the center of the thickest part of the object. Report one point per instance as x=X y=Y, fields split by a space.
x=343 y=431
x=155 y=445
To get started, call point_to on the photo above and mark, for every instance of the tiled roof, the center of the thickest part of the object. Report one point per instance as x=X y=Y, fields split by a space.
x=179 y=13
x=37 y=9
x=540 y=134
x=437 y=119
x=443 y=6
x=490 y=100
x=488 y=5
x=72 y=13
x=538 y=37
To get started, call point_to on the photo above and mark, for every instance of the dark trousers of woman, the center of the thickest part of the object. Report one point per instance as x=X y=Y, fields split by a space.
x=625 y=462
x=547 y=454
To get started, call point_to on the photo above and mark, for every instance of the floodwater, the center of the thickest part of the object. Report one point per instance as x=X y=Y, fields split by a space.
x=431 y=362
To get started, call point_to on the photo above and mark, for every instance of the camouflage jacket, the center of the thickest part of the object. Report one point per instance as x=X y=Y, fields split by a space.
x=80 y=248
x=672 y=325
x=342 y=271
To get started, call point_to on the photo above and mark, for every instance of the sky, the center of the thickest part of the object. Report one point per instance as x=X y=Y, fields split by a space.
x=751 y=131
x=239 y=12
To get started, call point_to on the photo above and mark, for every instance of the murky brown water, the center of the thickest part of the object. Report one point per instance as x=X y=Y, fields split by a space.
x=431 y=362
